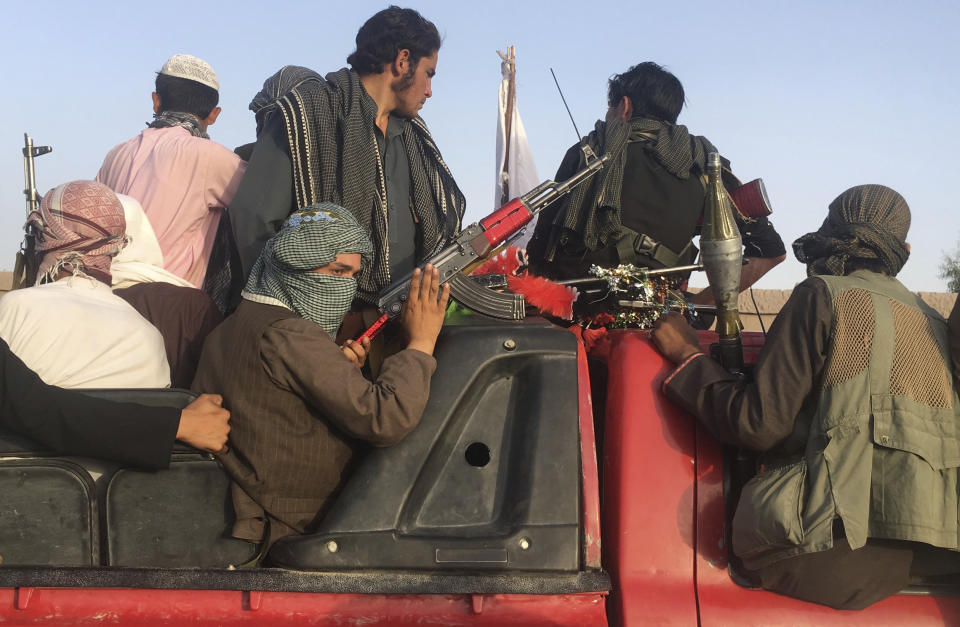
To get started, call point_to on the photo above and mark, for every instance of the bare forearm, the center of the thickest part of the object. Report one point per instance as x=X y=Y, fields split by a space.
x=755 y=268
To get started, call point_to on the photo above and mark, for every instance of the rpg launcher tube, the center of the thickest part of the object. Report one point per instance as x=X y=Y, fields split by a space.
x=721 y=252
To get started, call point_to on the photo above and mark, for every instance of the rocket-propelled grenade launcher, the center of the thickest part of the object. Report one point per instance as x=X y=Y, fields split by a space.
x=475 y=243
x=721 y=252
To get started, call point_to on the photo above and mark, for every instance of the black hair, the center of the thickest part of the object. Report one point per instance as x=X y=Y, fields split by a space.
x=654 y=92
x=186 y=96
x=860 y=263
x=388 y=32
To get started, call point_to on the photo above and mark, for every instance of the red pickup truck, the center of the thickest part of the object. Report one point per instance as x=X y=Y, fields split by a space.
x=494 y=511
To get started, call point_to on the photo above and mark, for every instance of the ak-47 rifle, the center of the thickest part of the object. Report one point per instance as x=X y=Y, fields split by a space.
x=24 y=276
x=474 y=244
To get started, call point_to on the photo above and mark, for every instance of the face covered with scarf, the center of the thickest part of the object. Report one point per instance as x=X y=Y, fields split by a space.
x=79 y=228
x=310 y=239
x=867 y=223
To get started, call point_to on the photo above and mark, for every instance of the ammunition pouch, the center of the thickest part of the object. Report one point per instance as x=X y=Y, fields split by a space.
x=640 y=249
x=476 y=297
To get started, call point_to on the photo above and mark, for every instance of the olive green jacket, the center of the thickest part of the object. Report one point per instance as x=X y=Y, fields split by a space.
x=877 y=441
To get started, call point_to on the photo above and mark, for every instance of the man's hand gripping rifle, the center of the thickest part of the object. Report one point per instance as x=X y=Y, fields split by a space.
x=477 y=242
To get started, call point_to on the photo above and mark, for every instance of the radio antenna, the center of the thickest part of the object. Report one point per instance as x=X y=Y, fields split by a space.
x=557 y=83
x=588 y=153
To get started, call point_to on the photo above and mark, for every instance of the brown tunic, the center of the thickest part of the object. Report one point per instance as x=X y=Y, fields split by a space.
x=758 y=414
x=299 y=410
x=183 y=315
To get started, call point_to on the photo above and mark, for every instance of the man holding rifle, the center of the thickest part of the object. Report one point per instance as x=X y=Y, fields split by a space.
x=301 y=407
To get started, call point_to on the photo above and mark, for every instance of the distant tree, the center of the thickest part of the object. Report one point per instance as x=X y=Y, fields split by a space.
x=950 y=270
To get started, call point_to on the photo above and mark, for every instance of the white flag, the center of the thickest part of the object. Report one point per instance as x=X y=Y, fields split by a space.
x=520 y=175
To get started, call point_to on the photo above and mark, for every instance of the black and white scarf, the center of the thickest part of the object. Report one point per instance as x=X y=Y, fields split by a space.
x=330 y=126
x=166 y=119
x=264 y=103
x=593 y=209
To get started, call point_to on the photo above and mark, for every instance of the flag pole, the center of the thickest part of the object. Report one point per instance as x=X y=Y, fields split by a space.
x=510 y=61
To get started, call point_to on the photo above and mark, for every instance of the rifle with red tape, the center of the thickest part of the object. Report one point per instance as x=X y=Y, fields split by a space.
x=475 y=243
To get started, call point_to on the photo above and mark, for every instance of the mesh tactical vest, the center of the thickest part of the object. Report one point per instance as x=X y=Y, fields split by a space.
x=882 y=433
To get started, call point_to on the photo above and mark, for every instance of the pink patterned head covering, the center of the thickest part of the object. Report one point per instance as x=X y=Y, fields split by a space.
x=80 y=228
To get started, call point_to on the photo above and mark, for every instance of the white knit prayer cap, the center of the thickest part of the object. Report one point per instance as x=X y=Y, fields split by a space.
x=191 y=68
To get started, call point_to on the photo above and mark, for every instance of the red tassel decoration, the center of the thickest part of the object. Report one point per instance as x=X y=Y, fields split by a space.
x=547 y=296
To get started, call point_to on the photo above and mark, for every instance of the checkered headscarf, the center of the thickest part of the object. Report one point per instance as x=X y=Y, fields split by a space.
x=864 y=222
x=79 y=227
x=264 y=104
x=309 y=239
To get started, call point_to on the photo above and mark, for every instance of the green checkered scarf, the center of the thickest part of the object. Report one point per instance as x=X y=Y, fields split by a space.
x=309 y=239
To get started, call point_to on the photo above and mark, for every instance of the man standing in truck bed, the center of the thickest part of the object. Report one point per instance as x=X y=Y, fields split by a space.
x=359 y=143
x=644 y=208
x=182 y=179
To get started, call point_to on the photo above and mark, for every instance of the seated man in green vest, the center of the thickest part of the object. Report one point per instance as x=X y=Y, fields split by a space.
x=853 y=409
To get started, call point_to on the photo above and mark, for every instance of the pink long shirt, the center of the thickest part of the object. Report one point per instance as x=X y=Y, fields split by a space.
x=183 y=183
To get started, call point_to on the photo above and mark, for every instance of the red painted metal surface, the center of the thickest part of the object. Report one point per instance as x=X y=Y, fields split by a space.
x=505 y=221
x=724 y=602
x=135 y=608
x=374 y=329
x=590 y=483
x=648 y=489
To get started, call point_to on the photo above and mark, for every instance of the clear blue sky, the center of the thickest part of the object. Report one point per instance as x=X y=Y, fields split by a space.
x=814 y=97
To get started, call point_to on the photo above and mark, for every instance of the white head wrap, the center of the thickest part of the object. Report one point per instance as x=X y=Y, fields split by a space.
x=141 y=261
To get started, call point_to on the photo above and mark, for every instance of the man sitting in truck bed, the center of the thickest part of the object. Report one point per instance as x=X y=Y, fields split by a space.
x=183 y=314
x=854 y=409
x=301 y=408
x=70 y=328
